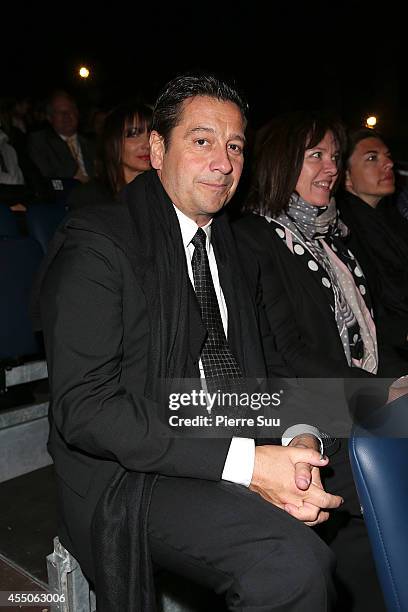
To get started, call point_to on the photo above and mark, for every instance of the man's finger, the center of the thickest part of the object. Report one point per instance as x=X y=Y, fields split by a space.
x=308 y=514
x=305 y=513
x=307 y=455
x=323 y=516
x=303 y=475
x=320 y=498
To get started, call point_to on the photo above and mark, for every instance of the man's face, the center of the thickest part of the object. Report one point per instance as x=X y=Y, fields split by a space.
x=64 y=116
x=202 y=164
x=370 y=175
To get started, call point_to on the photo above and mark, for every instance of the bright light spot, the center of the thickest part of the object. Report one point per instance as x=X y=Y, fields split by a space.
x=371 y=122
x=84 y=72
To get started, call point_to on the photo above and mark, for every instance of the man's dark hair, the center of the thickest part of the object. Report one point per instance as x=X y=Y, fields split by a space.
x=169 y=105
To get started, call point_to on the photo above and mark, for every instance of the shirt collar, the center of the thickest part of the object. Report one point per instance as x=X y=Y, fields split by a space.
x=68 y=137
x=189 y=227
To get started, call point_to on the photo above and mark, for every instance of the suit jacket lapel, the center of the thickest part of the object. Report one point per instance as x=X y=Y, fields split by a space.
x=61 y=150
x=87 y=154
x=227 y=278
x=243 y=330
x=143 y=271
x=198 y=332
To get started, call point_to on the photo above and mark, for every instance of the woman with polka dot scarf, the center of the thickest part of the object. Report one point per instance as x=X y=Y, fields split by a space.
x=317 y=302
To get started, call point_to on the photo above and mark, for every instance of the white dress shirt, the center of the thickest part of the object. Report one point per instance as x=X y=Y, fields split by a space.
x=240 y=460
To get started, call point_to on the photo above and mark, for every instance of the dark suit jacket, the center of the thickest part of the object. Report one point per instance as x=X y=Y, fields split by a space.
x=96 y=333
x=379 y=239
x=52 y=156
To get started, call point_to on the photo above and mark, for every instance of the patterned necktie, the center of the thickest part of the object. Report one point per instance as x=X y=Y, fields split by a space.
x=73 y=147
x=218 y=362
x=71 y=142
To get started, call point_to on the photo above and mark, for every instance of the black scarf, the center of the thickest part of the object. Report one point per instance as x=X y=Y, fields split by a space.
x=380 y=235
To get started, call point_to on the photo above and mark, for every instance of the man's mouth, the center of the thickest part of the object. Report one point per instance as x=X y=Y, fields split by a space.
x=215 y=186
x=388 y=177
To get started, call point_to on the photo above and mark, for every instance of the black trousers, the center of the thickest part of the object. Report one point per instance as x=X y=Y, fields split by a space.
x=229 y=539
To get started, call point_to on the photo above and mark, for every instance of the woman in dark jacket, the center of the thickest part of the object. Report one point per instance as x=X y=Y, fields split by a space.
x=123 y=154
x=379 y=233
x=316 y=300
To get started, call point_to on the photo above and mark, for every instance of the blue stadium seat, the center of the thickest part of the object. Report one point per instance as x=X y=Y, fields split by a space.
x=8 y=223
x=379 y=459
x=19 y=260
x=43 y=220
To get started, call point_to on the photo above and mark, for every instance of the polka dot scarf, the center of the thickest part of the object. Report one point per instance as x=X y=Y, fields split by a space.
x=314 y=234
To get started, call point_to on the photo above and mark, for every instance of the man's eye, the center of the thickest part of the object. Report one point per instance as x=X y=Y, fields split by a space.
x=201 y=141
x=235 y=148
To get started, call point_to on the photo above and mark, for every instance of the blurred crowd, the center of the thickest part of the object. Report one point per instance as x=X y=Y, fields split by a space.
x=322 y=207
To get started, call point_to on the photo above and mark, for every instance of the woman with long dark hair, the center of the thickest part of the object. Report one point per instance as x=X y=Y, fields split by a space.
x=123 y=154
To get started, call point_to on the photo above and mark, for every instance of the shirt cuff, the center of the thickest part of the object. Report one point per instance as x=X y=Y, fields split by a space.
x=240 y=461
x=298 y=430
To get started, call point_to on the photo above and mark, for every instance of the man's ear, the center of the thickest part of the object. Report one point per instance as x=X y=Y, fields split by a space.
x=157 y=150
x=348 y=182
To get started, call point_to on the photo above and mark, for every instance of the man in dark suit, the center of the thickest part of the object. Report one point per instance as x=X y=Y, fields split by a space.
x=59 y=151
x=120 y=314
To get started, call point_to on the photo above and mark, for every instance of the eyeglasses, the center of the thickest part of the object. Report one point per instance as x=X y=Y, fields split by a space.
x=135 y=131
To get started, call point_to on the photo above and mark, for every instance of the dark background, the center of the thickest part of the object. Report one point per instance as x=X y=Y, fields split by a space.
x=350 y=57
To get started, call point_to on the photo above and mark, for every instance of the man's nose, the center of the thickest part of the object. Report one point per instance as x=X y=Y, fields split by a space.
x=221 y=161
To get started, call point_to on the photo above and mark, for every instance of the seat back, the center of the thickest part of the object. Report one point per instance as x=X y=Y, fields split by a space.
x=62 y=187
x=379 y=460
x=19 y=260
x=8 y=223
x=43 y=220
